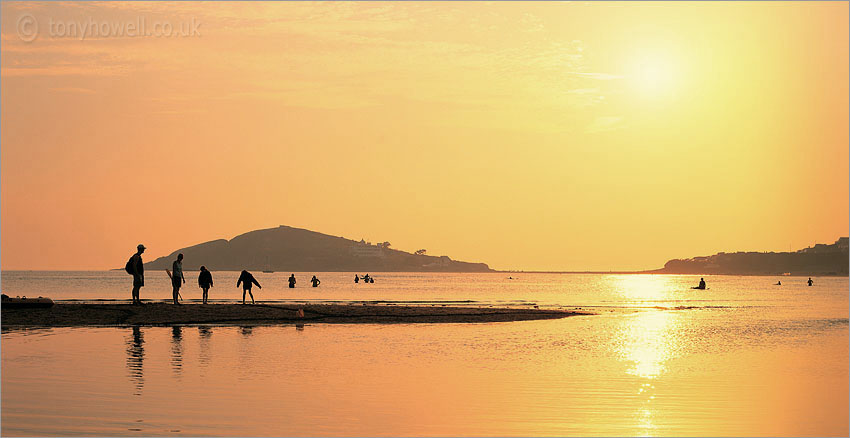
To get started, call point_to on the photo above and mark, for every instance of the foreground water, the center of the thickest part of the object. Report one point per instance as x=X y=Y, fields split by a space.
x=743 y=358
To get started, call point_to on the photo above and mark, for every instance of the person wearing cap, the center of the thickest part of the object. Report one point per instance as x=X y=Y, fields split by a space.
x=138 y=268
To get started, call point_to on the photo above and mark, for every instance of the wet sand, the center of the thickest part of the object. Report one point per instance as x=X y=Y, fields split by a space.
x=155 y=314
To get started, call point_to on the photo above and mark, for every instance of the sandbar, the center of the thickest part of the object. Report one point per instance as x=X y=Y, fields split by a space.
x=163 y=314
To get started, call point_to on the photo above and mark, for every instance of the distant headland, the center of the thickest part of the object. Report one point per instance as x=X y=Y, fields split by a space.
x=297 y=250
x=821 y=259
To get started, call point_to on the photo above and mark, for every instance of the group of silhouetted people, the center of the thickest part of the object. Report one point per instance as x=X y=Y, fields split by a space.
x=810 y=282
x=314 y=281
x=366 y=279
x=205 y=281
x=135 y=267
x=247 y=281
x=778 y=283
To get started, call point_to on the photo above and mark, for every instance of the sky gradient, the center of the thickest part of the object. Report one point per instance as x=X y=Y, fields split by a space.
x=541 y=136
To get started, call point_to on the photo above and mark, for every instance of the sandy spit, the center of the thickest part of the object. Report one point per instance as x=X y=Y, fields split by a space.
x=156 y=314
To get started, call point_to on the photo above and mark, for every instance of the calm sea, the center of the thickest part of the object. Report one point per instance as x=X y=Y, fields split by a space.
x=742 y=358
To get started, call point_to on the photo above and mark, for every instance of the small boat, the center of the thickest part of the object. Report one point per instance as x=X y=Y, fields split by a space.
x=25 y=303
x=268 y=272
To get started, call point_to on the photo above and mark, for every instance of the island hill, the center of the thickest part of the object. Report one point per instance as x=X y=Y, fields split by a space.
x=297 y=250
x=821 y=259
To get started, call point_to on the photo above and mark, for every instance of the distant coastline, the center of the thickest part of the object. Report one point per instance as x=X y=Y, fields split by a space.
x=825 y=260
x=662 y=272
x=821 y=260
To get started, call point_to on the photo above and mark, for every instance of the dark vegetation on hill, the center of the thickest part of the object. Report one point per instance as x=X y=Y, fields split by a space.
x=821 y=259
x=298 y=250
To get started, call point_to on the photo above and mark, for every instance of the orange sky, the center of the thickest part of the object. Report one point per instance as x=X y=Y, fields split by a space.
x=552 y=136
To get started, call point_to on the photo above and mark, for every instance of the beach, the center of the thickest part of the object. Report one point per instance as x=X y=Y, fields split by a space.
x=158 y=314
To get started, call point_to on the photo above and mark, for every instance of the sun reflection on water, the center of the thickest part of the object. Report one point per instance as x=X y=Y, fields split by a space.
x=642 y=288
x=647 y=426
x=647 y=341
x=647 y=338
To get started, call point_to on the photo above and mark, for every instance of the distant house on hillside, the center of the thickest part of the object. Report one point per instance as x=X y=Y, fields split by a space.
x=820 y=248
x=366 y=249
x=442 y=261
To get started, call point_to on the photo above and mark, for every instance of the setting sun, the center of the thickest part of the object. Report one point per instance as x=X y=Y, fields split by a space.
x=653 y=75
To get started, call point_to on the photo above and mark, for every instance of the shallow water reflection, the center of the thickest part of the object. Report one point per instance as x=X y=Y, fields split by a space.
x=177 y=350
x=204 y=335
x=557 y=377
x=648 y=340
x=136 y=359
x=737 y=364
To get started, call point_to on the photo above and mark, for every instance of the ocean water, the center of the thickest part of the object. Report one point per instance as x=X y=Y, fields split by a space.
x=744 y=358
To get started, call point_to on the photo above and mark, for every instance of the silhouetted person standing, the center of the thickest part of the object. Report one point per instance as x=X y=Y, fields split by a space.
x=810 y=282
x=356 y=278
x=247 y=280
x=136 y=267
x=292 y=281
x=315 y=281
x=177 y=279
x=205 y=282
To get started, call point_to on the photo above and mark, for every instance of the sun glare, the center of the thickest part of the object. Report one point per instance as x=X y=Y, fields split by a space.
x=644 y=288
x=653 y=75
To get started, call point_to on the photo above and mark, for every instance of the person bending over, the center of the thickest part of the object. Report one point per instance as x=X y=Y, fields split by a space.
x=247 y=281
